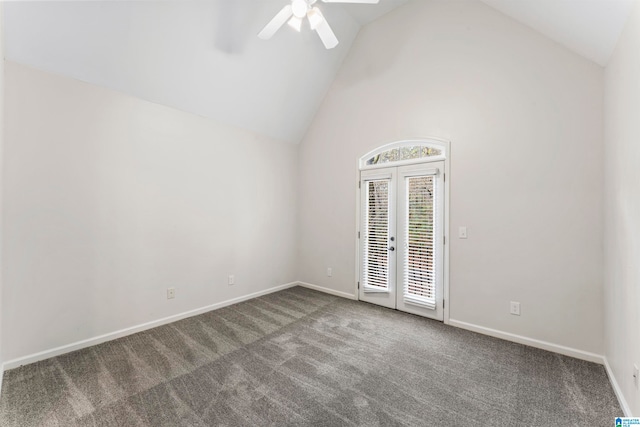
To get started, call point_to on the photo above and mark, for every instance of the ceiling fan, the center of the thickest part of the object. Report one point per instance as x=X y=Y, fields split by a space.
x=295 y=13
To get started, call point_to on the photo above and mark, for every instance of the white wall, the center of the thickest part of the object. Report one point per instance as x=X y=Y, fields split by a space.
x=110 y=200
x=1 y=174
x=622 y=210
x=524 y=117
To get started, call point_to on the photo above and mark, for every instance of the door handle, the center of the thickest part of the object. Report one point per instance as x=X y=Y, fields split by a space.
x=392 y=249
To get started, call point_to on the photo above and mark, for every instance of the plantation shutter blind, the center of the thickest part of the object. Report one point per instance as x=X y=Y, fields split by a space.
x=419 y=281
x=375 y=274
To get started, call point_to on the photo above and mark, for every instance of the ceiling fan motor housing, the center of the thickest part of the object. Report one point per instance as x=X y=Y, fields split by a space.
x=300 y=8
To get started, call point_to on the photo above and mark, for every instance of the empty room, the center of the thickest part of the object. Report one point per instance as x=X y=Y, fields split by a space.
x=320 y=212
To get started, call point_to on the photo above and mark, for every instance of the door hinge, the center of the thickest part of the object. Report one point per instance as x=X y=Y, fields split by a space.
x=444 y=240
x=359 y=184
x=358 y=285
x=442 y=303
x=444 y=177
x=358 y=234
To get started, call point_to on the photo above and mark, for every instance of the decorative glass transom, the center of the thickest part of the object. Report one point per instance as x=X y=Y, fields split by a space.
x=402 y=154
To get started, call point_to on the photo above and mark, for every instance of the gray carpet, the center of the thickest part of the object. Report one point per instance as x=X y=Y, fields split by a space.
x=299 y=357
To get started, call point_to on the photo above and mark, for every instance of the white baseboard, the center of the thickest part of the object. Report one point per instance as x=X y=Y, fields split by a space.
x=567 y=351
x=617 y=390
x=327 y=290
x=11 y=364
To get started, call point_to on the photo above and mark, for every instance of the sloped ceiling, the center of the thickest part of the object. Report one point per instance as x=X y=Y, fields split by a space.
x=198 y=56
x=204 y=57
x=590 y=28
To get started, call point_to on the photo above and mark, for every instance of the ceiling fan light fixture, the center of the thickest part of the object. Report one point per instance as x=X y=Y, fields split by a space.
x=294 y=13
x=295 y=23
x=299 y=8
x=315 y=18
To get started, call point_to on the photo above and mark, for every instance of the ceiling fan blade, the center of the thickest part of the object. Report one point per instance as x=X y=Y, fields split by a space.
x=270 y=29
x=353 y=1
x=326 y=35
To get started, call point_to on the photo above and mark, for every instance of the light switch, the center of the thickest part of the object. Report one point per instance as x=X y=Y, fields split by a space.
x=462 y=232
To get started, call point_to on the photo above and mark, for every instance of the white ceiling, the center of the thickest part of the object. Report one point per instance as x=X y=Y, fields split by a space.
x=204 y=57
x=590 y=28
x=369 y=13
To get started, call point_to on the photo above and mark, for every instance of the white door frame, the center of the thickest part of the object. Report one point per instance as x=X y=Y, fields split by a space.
x=445 y=147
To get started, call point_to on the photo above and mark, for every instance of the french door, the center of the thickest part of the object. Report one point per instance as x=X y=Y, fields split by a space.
x=402 y=238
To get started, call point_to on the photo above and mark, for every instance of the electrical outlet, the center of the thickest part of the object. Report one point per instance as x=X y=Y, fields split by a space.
x=232 y=280
x=515 y=308
x=462 y=232
x=171 y=293
x=329 y=271
x=636 y=376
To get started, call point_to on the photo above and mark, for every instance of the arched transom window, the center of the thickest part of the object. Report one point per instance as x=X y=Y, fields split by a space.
x=404 y=152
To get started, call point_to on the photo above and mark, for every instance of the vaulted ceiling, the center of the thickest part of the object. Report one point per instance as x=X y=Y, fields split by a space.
x=204 y=57
x=590 y=28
